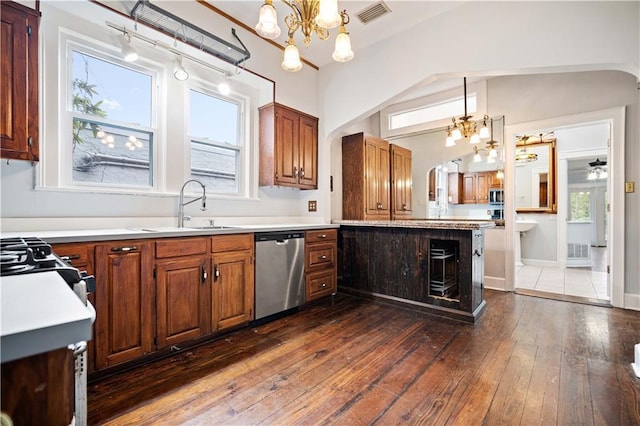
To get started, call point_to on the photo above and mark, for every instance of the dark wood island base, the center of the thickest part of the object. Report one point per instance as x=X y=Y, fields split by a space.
x=433 y=266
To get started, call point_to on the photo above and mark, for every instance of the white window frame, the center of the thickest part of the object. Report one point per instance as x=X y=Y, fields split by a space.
x=69 y=43
x=244 y=144
x=478 y=89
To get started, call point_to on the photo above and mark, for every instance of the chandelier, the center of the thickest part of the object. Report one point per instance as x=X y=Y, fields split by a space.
x=598 y=170
x=464 y=127
x=309 y=16
x=491 y=149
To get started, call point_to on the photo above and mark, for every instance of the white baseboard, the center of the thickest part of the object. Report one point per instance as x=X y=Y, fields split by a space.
x=495 y=283
x=632 y=301
x=538 y=262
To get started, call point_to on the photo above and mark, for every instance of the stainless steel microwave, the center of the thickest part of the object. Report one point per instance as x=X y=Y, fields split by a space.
x=496 y=196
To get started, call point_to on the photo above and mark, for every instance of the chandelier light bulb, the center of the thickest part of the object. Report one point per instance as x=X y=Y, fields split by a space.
x=291 y=60
x=476 y=156
x=475 y=138
x=493 y=153
x=328 y=16
x=484 y=130
x=267 y=26
x=500 y=174
x=450 y=141
x=456 y=133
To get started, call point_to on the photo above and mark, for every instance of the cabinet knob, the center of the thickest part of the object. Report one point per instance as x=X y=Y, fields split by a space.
x=323 y=257
x=295 y=171
x=323 y=285
x=301 y=172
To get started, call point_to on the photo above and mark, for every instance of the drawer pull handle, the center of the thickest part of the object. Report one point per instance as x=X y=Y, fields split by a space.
x=322 y=236
x=323 y=257
x=71 y=257
x=323 y=285
x=124 y=249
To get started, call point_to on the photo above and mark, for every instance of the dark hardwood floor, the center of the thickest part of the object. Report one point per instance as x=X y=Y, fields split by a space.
x=528 y=361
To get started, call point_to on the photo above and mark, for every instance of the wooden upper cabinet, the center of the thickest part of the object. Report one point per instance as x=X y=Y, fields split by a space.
x=401 y=182
x=432 y=184
x=125 y=301
x=288 y=148
x=365 y=178
x=19 y=82
x=476 y=187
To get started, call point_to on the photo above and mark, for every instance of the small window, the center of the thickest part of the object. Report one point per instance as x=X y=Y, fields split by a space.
x=579 y=206
x=216 y=142
x=433 y=112
x=111 y=107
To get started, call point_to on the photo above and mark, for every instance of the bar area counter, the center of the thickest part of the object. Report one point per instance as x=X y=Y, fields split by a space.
x=435 y=266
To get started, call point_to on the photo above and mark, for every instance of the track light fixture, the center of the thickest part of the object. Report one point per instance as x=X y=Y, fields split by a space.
x=225 y=87
x=179 y=71
x=129 y=54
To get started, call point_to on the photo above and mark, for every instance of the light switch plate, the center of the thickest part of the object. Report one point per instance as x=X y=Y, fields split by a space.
x=629 y=187
x=313 y=205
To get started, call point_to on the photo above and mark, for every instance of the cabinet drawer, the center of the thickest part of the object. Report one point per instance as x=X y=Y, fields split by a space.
x=320 y=256
x=78 y=254
x=319 y=284
x=233 y=242
x=321 y=235
x=181 y=247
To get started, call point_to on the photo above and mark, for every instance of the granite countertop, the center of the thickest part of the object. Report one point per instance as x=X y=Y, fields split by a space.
x=422 y=223
x=40 y=313
x=93 y=235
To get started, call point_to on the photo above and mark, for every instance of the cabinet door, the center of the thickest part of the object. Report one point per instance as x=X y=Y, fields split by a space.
x=182 y=294
x=432 y=184
x=482 y=188
x=19 y=82
x=287 y=146
x=125 y=302
x=455 y=188
x=233 y=289
x=469 y=188
x=401 y=181
x=383 y=186
x=372 y=163
x=308 y=162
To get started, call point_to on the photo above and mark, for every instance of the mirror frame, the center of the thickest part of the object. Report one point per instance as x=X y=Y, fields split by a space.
x=553 y=187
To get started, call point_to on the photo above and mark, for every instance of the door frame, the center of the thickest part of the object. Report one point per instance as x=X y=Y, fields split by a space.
x=616 y=117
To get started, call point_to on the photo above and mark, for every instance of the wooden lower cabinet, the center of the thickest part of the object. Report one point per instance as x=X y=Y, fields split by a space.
x=182 y=293
x=321 y=260
x=232 y=280
x=125 y=301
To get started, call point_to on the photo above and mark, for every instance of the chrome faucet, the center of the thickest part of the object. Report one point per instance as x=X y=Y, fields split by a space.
x=181 y=203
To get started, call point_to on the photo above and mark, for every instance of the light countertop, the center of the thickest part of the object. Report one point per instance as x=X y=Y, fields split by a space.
x=91 y=235
x=40 y=313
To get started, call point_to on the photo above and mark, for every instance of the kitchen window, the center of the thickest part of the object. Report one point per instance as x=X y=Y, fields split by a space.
x=216 y=136
x=112 y=138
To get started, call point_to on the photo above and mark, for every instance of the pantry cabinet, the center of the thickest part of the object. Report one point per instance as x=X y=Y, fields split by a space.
x=182 y=290
x=232 y=280
x=19 y=82
x=365 y=178
x=401 y=182
x=125 y=301
x=288 y=147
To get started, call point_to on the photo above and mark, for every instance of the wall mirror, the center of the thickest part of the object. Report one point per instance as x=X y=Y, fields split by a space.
x=535 y=175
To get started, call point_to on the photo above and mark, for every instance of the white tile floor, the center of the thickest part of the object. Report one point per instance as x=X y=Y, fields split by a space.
x=582 y=282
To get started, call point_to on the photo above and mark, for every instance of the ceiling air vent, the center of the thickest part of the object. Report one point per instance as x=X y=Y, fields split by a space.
x=372 y=12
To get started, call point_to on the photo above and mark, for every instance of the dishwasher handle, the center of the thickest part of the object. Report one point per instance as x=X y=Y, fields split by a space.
x=282 y=242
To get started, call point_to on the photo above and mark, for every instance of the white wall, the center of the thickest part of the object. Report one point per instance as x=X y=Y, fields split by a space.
x=20 y=200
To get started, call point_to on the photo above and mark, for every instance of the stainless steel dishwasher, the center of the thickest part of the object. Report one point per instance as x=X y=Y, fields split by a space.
x=279 y=272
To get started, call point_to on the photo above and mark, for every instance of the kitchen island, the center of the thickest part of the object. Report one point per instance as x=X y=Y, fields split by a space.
x=435 y=266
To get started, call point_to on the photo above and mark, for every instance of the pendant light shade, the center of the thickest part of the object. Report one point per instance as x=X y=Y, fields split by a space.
x=179 y=71
x=267 y=26
x=343 y=52
x=291 y=60
x=328 y=16
x=129 y=54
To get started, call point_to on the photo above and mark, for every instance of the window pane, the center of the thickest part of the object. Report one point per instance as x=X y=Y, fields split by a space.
x=111 y=155
x=103 y=89
x=213 y=118
x=446 y=109
x=579 y=206
x=214 y=166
